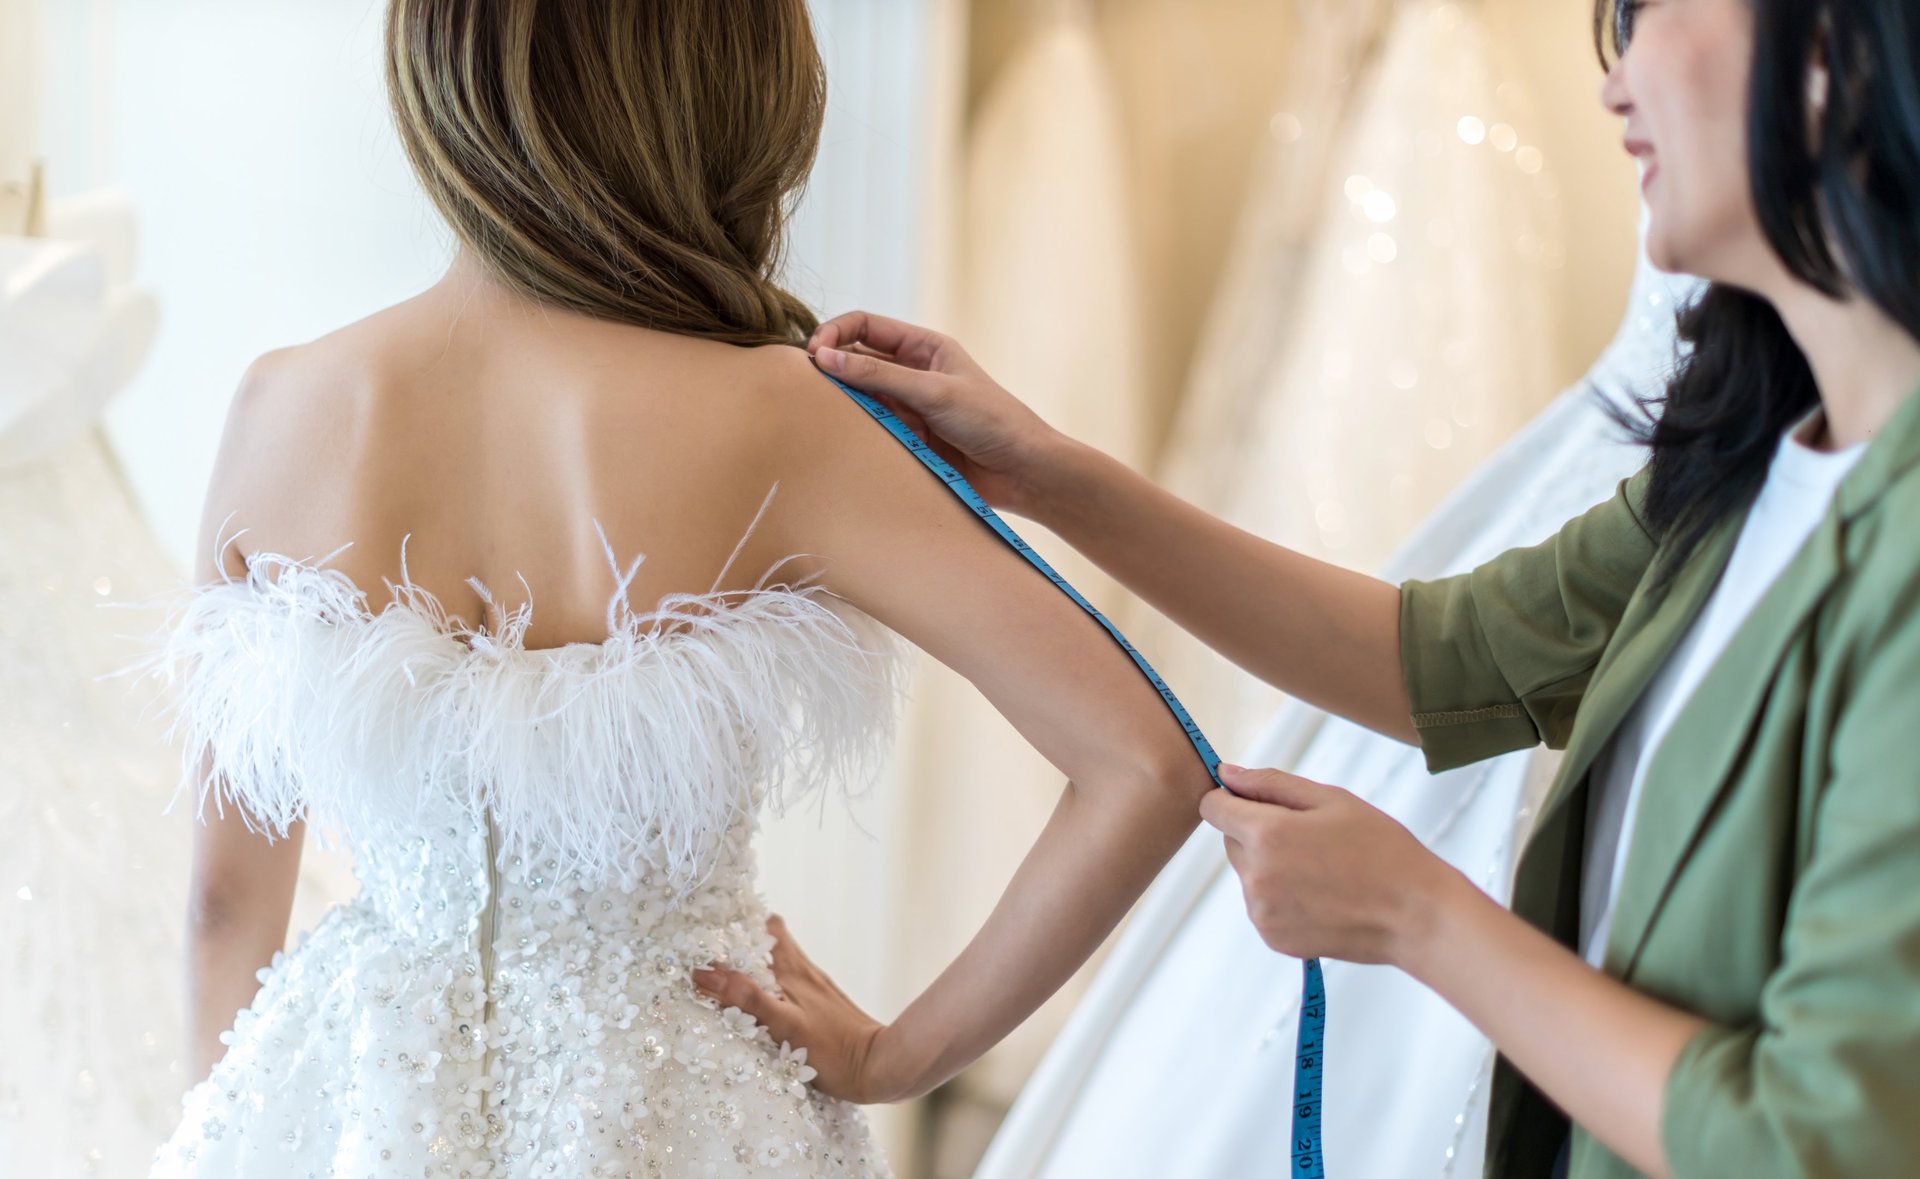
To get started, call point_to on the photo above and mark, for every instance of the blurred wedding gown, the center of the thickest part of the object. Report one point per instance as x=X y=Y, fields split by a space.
x=1386 y=319
x=1179 y=1060
x=92 y=878
x=91 y=886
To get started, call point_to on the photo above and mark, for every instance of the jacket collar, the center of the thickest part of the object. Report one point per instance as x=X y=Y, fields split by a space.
x=1891 y=452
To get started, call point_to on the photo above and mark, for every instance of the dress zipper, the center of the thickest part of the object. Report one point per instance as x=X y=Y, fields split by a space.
x=490 y=917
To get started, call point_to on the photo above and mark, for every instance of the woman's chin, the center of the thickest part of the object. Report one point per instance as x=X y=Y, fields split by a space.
x=1663 y=253
x=1669 y=248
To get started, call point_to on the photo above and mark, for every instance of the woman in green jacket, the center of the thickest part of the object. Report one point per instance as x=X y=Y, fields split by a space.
x=1712 y=965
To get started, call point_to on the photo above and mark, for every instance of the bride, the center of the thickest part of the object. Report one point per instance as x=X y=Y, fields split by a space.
x=424 y=627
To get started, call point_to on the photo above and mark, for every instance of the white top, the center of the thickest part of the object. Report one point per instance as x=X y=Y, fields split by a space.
x=1799 y=488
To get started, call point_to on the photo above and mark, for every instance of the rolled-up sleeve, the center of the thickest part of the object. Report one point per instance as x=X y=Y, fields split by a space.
x=1497 y=659
x=1827 y=1083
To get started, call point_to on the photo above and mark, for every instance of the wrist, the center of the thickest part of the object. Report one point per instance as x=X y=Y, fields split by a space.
x=1434 y=918
x=1059 y=473
x=892 y=1074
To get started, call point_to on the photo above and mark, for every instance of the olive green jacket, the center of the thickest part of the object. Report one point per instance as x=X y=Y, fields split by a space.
x=1772 y=884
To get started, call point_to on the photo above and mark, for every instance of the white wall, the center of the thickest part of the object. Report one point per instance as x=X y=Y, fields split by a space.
x=274 y=202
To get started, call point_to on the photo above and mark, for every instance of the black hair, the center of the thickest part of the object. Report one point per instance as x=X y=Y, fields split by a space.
x=1841 y=208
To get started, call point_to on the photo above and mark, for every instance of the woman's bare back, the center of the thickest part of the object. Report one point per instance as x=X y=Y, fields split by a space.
x=497 y=440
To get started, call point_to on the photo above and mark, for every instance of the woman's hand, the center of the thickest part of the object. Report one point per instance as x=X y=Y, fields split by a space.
x=846 y=1047
x=999 y=445
x=1325 y=874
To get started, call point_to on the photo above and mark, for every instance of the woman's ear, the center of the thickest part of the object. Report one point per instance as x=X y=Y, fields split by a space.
x=1819 y=80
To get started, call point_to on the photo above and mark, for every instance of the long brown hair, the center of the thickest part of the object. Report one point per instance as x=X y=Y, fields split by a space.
x=632 y=160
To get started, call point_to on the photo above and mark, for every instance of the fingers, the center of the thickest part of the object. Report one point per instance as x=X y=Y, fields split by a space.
x=788 y=959
x=859 y=349
x=1273 y=786
x=914 y=345
x=921 y=392
x=1236 y=854
x=733 y=989
x=913 y=421
x=1246 y=819
x=796 y=973
x=1233 y=817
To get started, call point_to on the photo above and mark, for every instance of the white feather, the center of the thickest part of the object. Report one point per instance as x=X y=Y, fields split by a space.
x=293 y=697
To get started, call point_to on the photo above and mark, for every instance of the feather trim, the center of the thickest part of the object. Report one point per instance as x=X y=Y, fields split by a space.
x=290 y=694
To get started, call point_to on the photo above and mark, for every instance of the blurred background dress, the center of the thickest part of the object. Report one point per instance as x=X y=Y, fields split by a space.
x=94 y=888
x=1384 y=322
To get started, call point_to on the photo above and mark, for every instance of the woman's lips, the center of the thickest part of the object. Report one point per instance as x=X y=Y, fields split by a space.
x=1642 y=150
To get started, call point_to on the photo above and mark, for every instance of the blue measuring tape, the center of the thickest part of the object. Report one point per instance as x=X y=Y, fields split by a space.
x=1310 y=1048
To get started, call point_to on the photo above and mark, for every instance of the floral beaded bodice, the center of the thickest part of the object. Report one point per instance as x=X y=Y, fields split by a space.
x=522 y=972
x=547 y=843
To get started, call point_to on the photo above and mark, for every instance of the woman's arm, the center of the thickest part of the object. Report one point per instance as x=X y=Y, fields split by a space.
x=1600 y=1049
x=896 y=543
x=1466 y=668
x=238 y=902
x=240 y=889
x=1325 y=634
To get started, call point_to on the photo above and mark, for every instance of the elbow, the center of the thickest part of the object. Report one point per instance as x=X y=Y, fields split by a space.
x=213 y=911
x=1144 y=767
x=225 y=910
x=1176 y=778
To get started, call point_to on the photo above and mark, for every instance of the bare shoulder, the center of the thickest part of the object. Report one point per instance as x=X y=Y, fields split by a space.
x=747 y=411
x=824 y=446
x=800 y=397
x=816 y=426
x=772 y=393
x=292 y=425
x=850 y=488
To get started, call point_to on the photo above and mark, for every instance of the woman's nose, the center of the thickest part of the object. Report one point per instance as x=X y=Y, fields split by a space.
x=1613 y=90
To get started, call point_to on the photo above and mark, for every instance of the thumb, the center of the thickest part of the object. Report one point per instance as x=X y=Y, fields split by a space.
x=923 y=392
x=1273 y=786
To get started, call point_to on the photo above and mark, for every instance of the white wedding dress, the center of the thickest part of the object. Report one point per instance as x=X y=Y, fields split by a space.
x=548 y=842
x=1179 y=1061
